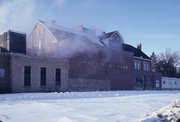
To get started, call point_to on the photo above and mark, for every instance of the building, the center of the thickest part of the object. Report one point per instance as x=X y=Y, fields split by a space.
x=170 y=83
x=79 y=59
x=14 y=42
x=108 y=63
x=22 y=73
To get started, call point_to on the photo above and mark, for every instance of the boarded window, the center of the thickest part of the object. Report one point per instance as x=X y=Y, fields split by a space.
x=2 y=73
x=27 y=76
x=58 y=77
x=43 y=76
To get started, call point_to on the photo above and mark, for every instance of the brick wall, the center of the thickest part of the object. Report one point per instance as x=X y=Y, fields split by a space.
x=112 y=68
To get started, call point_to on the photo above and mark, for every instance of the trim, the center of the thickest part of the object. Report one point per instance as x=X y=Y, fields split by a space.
x=117 y=32
x=48 y=30
x=141 y=58
x=170 y=78
x=17 y=31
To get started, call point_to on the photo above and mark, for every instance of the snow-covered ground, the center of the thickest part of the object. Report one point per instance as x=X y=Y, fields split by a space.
x=114 y=106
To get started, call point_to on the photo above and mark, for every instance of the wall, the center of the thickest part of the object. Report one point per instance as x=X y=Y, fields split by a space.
x=18 y=61
x=145 y=80
x=5 y=74
x=113 y=69
x=41 y=43
x=120 y=73
x=170 y=83
x=88 y=85
x=17 y=42
x=2 y=40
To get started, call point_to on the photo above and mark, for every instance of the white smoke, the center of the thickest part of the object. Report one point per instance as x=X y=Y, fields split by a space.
x=21 y=15
x=16 y=14
x=68 y=42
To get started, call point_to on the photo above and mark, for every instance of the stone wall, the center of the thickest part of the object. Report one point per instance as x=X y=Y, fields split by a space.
x=19 y=61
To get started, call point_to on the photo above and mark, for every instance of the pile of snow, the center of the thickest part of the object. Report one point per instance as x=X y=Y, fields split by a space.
x=170 y=113
x=109 y=106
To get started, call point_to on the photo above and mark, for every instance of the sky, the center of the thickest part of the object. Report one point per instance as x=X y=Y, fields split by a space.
x=153 y=23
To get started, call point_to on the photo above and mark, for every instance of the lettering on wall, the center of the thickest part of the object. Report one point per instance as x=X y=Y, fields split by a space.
x=110 y=65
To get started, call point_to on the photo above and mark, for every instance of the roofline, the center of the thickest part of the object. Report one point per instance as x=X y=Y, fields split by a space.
x=171 y=78
x=39 y=21
x=141 y=58
x=118 y=35
x=38 y=57
x=16 y=31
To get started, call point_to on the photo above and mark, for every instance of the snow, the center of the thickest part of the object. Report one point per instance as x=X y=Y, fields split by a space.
x=169 y=113
x=110 y=106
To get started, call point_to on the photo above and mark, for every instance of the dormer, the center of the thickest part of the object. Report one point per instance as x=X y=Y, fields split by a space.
x=112 y=40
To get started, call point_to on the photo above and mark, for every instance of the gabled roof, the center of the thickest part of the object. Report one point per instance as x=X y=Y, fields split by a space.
x=57 y=30
x=135 y=51
x=106 y=35
x=110 y=34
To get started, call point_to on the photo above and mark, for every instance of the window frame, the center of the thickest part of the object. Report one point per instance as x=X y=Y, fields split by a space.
x=27 y=76
x=58 y=77
x=137 y=65
x=146 y=66
x=43 y=76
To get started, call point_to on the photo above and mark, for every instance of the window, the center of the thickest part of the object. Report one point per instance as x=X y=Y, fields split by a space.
x=58 y=77
x=43 y=76
x=27 y=76
x=137 y=65
x=2 y=73
x=146 y=66
x=157 y=84
x=164 y=82
x=175 y=82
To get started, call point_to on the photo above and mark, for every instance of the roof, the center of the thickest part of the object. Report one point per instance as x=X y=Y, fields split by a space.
x=106 y=35
x=135 y=51
x=56 y=30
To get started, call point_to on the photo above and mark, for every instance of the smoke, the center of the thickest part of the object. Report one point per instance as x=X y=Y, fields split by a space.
x=21 y=15
x=16 y=14
x=69 y=42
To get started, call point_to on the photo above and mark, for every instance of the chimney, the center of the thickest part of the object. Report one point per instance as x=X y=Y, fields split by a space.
x=139 y=46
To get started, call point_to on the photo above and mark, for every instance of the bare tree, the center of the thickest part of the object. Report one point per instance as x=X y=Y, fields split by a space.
x=168 y=55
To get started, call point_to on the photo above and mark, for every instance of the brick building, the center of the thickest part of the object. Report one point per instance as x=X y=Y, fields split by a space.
x=85 y=62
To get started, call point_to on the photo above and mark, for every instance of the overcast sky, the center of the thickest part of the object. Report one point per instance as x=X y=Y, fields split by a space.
x=154 y=23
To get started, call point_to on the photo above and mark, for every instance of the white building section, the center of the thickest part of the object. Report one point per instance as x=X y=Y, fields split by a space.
x=170 y=83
